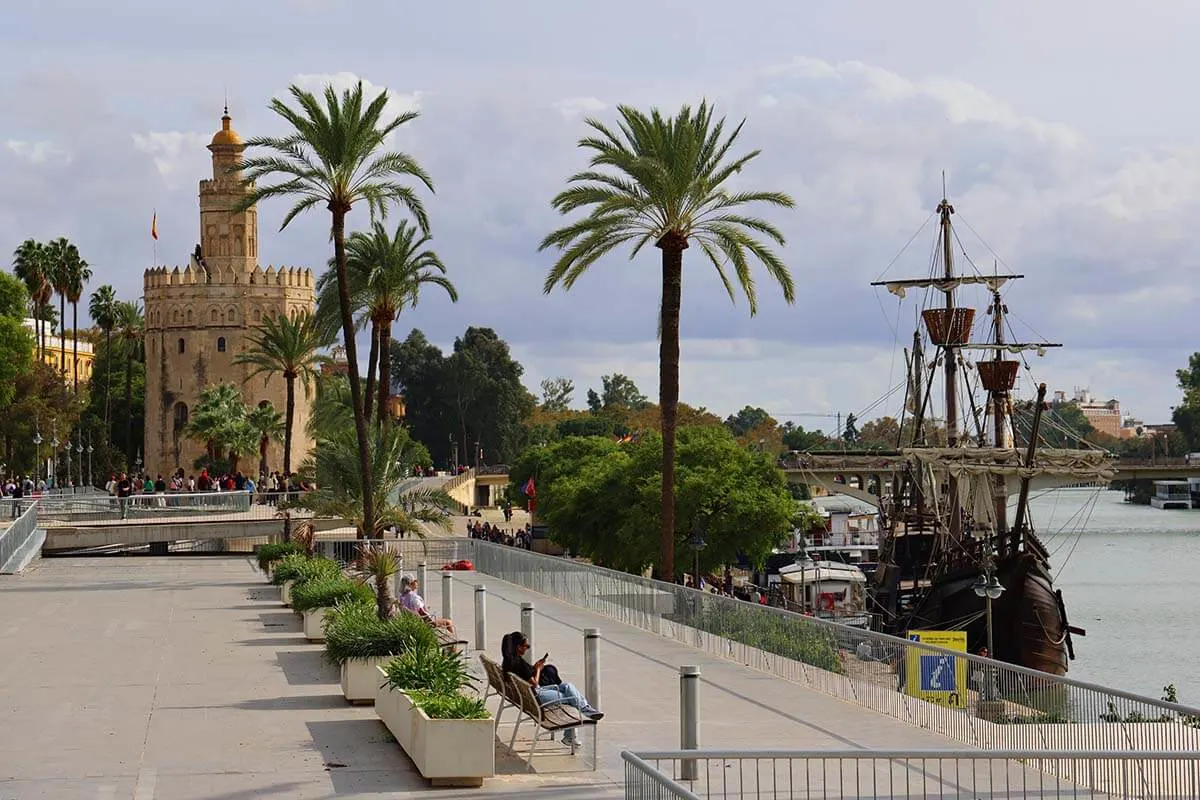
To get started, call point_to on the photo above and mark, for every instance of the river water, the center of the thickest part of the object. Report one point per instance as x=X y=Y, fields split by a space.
x=1129 y=575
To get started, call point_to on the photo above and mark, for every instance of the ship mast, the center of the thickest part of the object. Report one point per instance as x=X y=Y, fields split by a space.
x=951 y=360
x=999 y=415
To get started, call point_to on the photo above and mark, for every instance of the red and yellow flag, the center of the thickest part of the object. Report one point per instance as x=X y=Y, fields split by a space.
x=154 y=226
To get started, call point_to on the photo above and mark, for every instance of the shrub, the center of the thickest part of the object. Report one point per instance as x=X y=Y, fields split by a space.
x=791 y=636
x=268 y=554
x=450 y=706
x=325 y=591
x=306 y=569
x=428 y=669
x=287 y=568
x=354 y=630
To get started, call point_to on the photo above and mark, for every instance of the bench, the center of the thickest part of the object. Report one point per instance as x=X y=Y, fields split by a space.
x=551 y=717
x=446 y=639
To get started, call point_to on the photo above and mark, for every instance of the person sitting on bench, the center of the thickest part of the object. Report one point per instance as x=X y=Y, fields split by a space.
x=411 y=601
x=547 y=685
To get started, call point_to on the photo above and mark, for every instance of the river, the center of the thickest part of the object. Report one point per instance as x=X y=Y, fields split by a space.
x=1129 y=575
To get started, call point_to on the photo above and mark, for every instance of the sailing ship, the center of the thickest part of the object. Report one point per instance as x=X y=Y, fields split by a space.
x=947 y=536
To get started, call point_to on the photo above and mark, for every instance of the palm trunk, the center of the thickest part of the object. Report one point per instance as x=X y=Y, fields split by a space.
x=129 y=410
x=107 y=379
x=62 y=334
x=356 y=399
x=385 y=373
x=290 y=412
x=672 y=246
x=262 y=456
x=75 y=341
x=372 y=360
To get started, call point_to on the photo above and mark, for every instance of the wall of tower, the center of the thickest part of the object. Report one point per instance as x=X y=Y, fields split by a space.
x=197 y=322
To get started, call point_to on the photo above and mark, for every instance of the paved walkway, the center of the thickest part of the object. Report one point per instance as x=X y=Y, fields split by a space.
x=180 y=678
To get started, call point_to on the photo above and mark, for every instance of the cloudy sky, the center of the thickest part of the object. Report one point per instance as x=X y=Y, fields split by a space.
x=1066 y=131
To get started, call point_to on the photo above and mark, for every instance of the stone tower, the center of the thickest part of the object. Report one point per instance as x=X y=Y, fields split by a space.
x=201 y=317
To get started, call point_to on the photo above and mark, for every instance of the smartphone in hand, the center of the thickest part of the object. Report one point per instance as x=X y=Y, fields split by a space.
x=546 y=656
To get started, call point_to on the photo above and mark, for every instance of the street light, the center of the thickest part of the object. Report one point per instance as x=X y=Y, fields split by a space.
x=989 y=588
x=69 y=448
x=53 y=459
x=79 y=453
x=90 y=450
x=37 y=445
x=698 y=544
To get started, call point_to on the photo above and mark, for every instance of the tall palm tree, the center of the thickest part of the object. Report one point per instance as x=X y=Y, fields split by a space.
x=130 y=333
x=287 y=347
x=103 y=310
x=31 y=264
x=78 y=274
x=661 y=180
x=267 y=424
x=218 y=411
x=334 y=157
x=386 y=273
x=64 y=258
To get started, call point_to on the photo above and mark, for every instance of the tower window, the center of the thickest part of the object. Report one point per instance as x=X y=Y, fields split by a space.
x=220 y=344
x=182 y=346
x=181 y=416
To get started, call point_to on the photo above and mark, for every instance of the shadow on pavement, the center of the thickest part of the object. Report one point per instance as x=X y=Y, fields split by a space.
x=307 y=668
x=362 y=758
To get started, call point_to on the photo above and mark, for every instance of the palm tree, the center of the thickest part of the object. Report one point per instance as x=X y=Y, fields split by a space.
x=664 y=184
x=333 y=158
x=217 y=412
x=386 y=273
x=78 y=274
x=32 y=265
x=130 y=331
x=340 y=488
x=288 y=347
x=267 y=424
x=64 y=258
x=103 y=310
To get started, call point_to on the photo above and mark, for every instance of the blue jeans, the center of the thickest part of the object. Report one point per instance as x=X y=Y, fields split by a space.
x=563 y=693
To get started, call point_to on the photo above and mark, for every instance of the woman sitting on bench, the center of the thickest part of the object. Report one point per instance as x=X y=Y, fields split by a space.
x=411 y=601
x=543 y=677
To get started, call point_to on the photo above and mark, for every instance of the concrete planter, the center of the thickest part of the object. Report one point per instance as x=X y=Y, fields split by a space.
x=285 y=592
x=395 y=709
x=361 y=678
x=314 y=624
x=450 y=752
x=453 y=752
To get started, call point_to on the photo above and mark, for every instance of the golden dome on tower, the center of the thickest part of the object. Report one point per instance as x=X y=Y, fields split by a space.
x=227 y=135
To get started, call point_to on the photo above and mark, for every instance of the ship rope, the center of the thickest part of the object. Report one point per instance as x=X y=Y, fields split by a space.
x=1056 y=642
x=1091 y=508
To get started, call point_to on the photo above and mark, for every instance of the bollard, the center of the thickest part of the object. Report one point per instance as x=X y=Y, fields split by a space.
x=422 y=573
x=481 y=617
x=527 y=629
x=396 y=582
x=447 y=596
x=689 y=719
x=591 y=666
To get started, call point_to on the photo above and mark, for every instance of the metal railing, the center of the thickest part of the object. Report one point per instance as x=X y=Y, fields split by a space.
x=435 y=553
x=905 y=774
x=981 y=702
x=80 y=509
x=16 y=537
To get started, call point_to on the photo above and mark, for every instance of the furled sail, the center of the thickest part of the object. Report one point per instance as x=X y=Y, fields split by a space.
x=1039 y=347
x=1083 y=465
x=900 y=288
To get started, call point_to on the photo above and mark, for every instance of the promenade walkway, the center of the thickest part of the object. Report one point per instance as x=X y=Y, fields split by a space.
x=182 y=678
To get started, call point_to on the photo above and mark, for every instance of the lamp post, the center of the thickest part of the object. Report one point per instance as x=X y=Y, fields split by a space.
x=79 y=454
x=37 y=446
x=69 y=448
x=90 y=450
x=53 y=460
x=137 y=462
x=478 y=453
x=989 y=588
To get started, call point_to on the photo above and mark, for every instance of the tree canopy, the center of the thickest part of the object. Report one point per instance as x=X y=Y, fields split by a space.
x=601 y=498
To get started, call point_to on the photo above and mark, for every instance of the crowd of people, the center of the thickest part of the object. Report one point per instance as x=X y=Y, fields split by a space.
x=521 y=537
x=266 y=489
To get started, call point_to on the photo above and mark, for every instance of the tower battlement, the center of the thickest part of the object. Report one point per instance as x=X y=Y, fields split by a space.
x=160 y=277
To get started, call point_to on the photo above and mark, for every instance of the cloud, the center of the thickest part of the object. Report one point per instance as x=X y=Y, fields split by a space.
x=398 y=102
x=579 y=106
x=39 y=152
x=180 y=157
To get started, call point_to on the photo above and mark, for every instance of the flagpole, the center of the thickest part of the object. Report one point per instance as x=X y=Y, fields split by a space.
x=154 y=237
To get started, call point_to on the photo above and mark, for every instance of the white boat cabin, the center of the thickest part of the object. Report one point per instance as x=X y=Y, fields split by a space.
x=827 y=589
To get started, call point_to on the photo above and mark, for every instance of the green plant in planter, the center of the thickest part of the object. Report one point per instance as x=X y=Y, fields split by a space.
x=287 y=568
x=354 y=630
x=310 y=569
x=327 y=591
x=268 y=554
x=450 y=706
x=376 y=566
x=428 y=669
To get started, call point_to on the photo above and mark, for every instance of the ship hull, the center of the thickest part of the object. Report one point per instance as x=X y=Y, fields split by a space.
x=1029 y=622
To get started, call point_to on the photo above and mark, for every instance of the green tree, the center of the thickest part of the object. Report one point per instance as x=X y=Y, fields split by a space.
x=131 y=329
x=601 y=500
x=795 y=437
x=31 y=263
x=489 y=398
x=65 y=262
x=214 y=418
x=1186 y=415
x=334 y=158
x=16 y=341
x=880 y=434
x=662 y=181
x=267 y=424
x=1063 y=423
x=289 y=348
x=391 y=270
x=619 y=396
x=103 y=310
x=419 y=371
x=748 y=418
x=584 y=426
x=556 y=394
x=850 y=433
x=78 y=274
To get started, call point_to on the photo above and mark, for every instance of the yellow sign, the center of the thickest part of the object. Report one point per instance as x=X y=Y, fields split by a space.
x=937 y=677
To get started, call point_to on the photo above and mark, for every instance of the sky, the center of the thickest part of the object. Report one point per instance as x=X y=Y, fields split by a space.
x=1065 y=133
